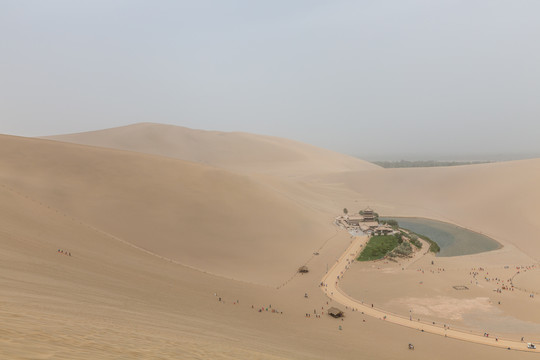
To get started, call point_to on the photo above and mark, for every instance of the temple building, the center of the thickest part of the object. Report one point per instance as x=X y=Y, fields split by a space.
x=369 y=215
x=367 y=221
x=383 y=230
x=354 y=220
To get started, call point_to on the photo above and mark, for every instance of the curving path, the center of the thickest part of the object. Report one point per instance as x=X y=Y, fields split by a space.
x=330 y=287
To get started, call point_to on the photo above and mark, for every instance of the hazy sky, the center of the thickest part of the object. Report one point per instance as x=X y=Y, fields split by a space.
x=360 y=77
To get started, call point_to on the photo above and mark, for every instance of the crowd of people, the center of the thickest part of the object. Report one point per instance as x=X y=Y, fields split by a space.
x=266 y=308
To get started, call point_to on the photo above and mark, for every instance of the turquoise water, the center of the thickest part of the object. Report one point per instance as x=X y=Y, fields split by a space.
x=453 y=240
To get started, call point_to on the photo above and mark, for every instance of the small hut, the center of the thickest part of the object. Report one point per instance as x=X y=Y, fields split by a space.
x=303 y=269
x=335 y=312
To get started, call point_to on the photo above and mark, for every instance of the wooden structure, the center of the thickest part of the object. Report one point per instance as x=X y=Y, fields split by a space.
x=354 y=220
x=383 y=230
x=368 y=214
x=335 y=312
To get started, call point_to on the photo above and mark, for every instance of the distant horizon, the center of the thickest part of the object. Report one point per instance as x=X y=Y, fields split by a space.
x=371 y=157
x=487 y=157
x=493 y=156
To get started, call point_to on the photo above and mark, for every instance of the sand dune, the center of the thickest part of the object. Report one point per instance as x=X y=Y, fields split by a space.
x=253 y=213
x=235 y=150
x=207 y=218
x=112 y=301
x=109 y=300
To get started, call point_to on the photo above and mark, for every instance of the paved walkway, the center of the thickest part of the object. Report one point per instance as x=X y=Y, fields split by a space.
x=330 y=287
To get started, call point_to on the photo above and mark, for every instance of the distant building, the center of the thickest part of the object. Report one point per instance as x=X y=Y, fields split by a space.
x=367 y=221
x=383 y=230
x=369 y=215
x=354 y=220
x=369 y=227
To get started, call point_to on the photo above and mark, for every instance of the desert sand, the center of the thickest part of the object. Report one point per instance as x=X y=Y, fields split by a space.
x=453 y=309
x=235 y=150
x=159 y=231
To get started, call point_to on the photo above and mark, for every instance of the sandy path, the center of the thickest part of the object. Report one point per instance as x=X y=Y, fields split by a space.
x=331 y=289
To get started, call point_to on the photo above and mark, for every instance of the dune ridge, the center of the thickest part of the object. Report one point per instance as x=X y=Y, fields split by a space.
x=201 y=216
x=231 y=150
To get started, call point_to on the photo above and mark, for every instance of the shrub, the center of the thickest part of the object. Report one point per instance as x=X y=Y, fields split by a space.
x=393 y=223
x=416 y=243
x=403 y=249
x=433 y=246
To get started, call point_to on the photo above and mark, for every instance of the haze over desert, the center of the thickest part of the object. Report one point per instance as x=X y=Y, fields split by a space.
x=190 y=180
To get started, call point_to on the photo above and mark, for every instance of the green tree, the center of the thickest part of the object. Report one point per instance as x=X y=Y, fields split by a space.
x=393 y=223
x=345 y=211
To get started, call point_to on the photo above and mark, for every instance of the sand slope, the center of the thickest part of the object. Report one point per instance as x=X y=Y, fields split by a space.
x=201 y=216
x=235 y=150
x=121 y=213
x=109 y=300
x=112 y=301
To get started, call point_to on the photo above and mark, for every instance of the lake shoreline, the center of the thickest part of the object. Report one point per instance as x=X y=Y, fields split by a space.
x=453 y=245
